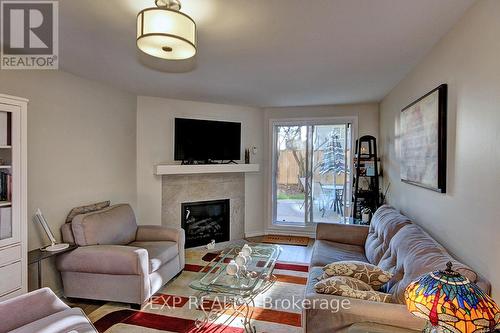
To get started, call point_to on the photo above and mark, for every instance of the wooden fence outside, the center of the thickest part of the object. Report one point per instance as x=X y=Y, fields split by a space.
x=288 y=170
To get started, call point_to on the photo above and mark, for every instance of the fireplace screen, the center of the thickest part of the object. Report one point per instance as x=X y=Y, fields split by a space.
x=205 y=220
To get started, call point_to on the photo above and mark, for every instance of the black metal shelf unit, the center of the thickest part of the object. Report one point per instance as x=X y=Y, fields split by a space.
x=366 y=182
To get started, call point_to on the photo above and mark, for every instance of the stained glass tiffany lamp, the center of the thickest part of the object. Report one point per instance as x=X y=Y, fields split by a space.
x=451 y=303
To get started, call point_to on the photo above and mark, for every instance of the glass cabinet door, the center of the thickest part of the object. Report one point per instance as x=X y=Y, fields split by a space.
x=5 y=223
x=9 y=148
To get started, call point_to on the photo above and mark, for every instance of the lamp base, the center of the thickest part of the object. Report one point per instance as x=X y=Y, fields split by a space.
x=56 y=247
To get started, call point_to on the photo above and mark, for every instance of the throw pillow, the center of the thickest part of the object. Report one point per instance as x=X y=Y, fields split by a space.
x=86 y=209
x=366 y=272
x=346 y=286
x=329 y=285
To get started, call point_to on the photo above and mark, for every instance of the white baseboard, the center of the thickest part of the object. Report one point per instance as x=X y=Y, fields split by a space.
x=283 y=231
x=254 y=234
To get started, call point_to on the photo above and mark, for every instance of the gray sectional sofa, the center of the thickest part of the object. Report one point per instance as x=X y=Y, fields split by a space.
x=391 y=242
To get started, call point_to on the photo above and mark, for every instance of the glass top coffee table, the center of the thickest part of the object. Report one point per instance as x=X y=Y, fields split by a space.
x=236 y=291
x=214 y=277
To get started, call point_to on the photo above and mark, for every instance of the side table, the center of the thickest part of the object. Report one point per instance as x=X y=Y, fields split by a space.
x=36 y=256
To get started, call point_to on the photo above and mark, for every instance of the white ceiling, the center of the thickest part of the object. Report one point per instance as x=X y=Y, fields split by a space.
x=262 y=52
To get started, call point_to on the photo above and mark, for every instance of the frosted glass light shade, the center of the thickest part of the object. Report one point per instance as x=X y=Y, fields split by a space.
x=166 y=33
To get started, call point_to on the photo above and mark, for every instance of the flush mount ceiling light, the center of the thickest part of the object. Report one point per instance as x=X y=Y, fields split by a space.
x=164 y=32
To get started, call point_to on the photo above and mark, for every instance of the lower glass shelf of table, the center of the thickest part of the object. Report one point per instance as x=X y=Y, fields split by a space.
x=236 y=291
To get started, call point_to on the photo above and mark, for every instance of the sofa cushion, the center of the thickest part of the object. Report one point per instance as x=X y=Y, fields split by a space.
x=159 y=252
x=70 y=320
x=67 y=233
x=326 y=252
x=366 y=272
x=386 y=222
x=114 y=225
x=412 y=253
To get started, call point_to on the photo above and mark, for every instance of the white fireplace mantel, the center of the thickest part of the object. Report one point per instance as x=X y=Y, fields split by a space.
x=176 y=169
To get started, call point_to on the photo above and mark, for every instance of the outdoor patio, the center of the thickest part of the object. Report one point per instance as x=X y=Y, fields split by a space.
x=293 y=210
x=312 y=162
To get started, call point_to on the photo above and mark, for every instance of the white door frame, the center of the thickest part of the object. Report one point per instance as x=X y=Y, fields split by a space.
x=305 y=230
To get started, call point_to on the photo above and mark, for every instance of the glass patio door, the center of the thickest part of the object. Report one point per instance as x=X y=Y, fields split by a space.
x=311 y=172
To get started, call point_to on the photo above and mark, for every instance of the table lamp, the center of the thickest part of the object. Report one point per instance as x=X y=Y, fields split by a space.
x=451 y=303
x=54 y=246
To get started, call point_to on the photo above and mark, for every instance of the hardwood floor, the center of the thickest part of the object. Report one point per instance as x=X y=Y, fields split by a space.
x=88 y=306
x=290 y=253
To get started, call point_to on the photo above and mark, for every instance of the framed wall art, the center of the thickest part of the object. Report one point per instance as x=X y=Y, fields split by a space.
x=423 y=140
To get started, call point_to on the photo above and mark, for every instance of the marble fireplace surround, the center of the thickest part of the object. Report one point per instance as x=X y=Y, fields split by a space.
x=178 y=189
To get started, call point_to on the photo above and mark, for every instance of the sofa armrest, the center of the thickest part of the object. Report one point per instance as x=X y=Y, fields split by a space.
x=342 y=233
x=105 y=259
x=152 y=233
x=155 y=233
x=27 y=308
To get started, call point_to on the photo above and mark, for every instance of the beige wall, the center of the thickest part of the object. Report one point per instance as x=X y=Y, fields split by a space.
x=466 y=219
x=368 y=124
x=155 y=124
x=81 y=147
x=367 y=114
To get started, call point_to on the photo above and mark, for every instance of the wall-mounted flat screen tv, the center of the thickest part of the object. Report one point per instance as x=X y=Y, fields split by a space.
x=206 y=140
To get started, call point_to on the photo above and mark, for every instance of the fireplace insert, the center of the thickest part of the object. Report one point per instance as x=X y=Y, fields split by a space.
x=203 y=221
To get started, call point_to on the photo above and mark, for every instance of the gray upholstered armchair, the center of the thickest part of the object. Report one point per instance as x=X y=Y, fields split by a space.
x=117 y=260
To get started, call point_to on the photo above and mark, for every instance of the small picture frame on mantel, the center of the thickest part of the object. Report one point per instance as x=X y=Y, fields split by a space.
x=423 y=140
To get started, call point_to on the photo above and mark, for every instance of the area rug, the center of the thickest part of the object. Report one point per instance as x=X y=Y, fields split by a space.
x=286 y=240
x=172 y=308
